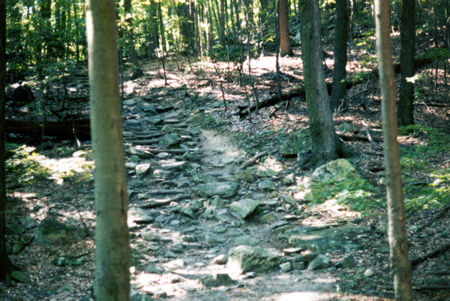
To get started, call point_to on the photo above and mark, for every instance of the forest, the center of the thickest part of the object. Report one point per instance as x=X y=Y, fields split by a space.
x=224 y=150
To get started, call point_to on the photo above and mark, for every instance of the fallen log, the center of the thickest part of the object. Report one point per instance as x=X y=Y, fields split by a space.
x=64 y=129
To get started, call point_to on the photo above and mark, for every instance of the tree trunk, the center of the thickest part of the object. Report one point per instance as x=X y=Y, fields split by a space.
x=398 y=246
x=325 y=145
x=407 y=39
x=112 y=253
x=132 y=54
x=283 y=21
x=4 y=262
x=340 y=53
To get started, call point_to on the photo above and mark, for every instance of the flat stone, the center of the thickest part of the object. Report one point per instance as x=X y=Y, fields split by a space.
x=223 y=189
x=174 y=165
x=142 y=169
x=244 y=208
x=138 y=216
x=325 y=240
x=170 y=140
x=213 y=239
x=289 y=179
x=155 y=120
x=220 y=259
x=267 y=185
x=247 y=241
x=256 y=259
x=286 y=267
x=150 y=236
x=268 y=218
x=320 y=262
x=217 y=280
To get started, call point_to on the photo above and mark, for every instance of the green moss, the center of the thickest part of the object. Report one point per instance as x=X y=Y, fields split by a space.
x=23 y=167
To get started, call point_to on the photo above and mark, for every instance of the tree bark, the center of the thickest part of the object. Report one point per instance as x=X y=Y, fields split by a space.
x=340 y=53
x=398 y=246
x=407 y=39
x=4 y=262
x=283 y=21
x=325 y=145
x=132 y=54
x=112 y=253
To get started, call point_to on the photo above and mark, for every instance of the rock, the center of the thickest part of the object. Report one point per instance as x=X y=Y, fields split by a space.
x=289 y=179
x=173 y=165
x=193 y=156
x=369 y=273
x=220 y=259
x=268 y=218
x=155 y=120
x=327 y=239
x=142 y=169
x=148 y=108
x=296 y=144
x=213 y=239
x=256 y=259
x=244 y=208
x=140 y=297
x=217 y=280
x=170 y=140
x=165 y=174
x=286 y=267
x=219 y=229
x=138 y=216
x=267 y=185
x=149 y=236
x=248 y=175
x=20 y=276
x=337 y=170
x=50 y=231
x=298 y=265
x=320 y=262
x=246 y=240
x=223 y=189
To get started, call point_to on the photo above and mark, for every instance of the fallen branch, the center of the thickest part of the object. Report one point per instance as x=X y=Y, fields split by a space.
x=433 y=253
x=300 y=92
x=252 y=160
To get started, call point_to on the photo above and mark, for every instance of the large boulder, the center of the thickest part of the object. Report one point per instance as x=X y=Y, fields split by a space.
x=254 y=259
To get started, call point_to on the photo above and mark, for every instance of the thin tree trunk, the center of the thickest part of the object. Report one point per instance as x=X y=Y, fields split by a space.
x=283 y=21
x=325 y=145
x=407 y=53
x=137 y=70
x=4 y=262
x=340 y=53
x=112 y=252
x=398 y=246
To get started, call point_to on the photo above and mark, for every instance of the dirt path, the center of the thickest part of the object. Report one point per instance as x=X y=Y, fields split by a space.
x=183 y=185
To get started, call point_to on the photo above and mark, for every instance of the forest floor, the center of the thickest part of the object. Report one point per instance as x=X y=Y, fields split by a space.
x=189 y=164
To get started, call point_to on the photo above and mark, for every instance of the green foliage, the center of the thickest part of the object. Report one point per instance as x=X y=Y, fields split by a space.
x=230 y=49
x=23 y=166
x=436 y=54
x=353 y=191
x=433 y=145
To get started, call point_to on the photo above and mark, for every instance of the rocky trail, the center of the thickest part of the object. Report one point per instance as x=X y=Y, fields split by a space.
x=204 y=228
